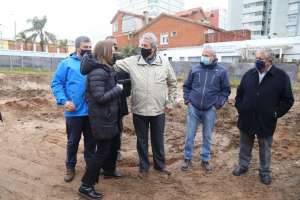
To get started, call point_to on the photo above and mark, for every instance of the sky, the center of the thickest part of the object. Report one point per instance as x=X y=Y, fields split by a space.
x=68 y=19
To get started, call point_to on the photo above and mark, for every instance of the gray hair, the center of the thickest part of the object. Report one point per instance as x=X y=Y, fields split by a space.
x=149 y=37
x=266 y=53
x=210 y=49
x=81 y=39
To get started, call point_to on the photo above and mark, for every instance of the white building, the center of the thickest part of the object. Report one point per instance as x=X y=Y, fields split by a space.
x=287 y=49
x=265 y=18
x=154 y=7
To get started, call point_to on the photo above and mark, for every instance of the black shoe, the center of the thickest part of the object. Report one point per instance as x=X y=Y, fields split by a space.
x=206 y=166
x=186 y=165
x=239 y=171
x=265 y=179
x=164 y=171
x=89 y=192
x=115 y=174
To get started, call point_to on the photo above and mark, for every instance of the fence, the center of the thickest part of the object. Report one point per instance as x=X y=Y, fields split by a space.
x=236 y=70
x=36 y=60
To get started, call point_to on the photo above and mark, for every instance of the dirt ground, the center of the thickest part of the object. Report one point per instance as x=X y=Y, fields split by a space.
x=33 y=145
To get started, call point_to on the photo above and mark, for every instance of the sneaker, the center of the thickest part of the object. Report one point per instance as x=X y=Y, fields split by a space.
x=89 y=192
x=186 y=165
x=239 y=171
x=70 y=174
x=265 y=179
x=206 y=166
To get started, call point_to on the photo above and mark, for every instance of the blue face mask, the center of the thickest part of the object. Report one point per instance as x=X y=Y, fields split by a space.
x=259 y=64
x=205 y=60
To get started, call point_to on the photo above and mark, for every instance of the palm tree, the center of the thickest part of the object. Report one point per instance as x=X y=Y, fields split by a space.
x=21 y=37
x=63 y=44
x=38 y=32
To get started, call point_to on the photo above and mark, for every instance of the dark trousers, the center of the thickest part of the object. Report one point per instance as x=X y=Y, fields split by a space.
x=105 y=157
x=265 y=147
x=157 y=125
x=75 y=127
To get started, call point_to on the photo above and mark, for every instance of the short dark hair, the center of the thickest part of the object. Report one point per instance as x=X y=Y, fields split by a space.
x=81 y=39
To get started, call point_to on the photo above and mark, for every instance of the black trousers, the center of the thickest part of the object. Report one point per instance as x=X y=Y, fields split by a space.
x=75 y=127
x=105 y=158
x=157 y=126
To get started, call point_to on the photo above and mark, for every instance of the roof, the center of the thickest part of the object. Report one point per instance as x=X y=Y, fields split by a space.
x=126 y=13
x=181 y=19
x=191 y=12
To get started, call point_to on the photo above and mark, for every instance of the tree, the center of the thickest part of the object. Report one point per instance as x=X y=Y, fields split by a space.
x=129 y=51
x=38 y=32
x=21 y=37
x=63 y=44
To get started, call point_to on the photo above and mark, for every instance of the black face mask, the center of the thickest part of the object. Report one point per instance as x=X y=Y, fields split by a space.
x=146 y=52
x=84 y=51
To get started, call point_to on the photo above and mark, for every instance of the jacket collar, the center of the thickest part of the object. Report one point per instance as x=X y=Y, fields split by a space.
x=270 y=71
x=74 y=56
x=157 y=61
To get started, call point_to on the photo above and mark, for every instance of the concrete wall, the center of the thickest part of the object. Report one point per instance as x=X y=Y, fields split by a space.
x=236 y=70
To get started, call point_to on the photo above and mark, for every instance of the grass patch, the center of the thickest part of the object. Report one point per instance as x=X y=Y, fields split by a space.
x=181 y=77
x=25 y=70
x=234 y=82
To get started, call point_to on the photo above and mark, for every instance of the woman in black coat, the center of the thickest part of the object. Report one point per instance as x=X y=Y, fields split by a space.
x=103 y=94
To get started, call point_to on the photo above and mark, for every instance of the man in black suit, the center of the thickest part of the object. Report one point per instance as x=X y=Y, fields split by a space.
x=263 y=96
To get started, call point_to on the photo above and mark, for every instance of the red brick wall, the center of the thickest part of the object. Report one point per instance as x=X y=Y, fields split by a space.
x=213 y=17
x=188 y=34
x=197 y=16
x=226 y=36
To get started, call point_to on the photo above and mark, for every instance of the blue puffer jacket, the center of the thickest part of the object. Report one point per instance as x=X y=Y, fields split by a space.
x=207 y=86
x=69 y=84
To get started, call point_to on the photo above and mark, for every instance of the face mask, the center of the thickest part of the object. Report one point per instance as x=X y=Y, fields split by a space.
x=84 y=51
x=146 y=52
x=205 y=60
x=260 y=65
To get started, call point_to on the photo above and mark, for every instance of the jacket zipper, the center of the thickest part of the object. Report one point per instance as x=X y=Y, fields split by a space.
x=204 y=89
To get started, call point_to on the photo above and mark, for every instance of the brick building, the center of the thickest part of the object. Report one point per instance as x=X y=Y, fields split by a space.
x=186 y=28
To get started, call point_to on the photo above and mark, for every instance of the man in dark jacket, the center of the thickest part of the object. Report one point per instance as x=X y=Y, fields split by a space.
x=263 y=96
x=205 y=90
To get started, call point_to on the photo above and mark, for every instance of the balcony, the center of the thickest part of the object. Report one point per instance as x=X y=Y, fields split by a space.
x=252 y=19
x=253 y=9
x=252 y=1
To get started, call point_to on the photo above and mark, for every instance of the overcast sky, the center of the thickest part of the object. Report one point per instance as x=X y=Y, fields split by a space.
x=69 y=19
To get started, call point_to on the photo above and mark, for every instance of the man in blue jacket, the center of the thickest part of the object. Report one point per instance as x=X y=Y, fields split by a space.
x=206 y=89
x=68 y=86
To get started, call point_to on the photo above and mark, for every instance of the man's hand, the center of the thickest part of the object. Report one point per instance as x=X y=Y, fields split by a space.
x=69 y=106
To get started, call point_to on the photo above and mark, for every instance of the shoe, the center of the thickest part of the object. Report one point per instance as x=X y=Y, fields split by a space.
x=115 y=174
x=239 y=171
x=164 y=171
x=89 y=192
x=186 y=165
x=143 y=174
x=265 y=179
x=206 y=166
x=70 y=174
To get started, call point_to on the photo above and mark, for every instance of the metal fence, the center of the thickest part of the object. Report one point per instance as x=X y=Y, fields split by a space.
x=35 y=60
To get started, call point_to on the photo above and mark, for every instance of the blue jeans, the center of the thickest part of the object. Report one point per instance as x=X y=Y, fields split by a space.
x=193 y=118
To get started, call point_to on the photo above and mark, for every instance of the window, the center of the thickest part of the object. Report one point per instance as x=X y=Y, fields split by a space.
x=181 y=58
x=128 y=23
x=164 y=38
x=115 y=26
x=291 y=30
x=173 y=34
x=293 y=7
x=170 y=58
x=292 y=19
x=194 y=59
x=210 y=31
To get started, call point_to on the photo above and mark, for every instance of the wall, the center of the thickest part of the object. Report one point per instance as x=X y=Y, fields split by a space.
x=236 y=70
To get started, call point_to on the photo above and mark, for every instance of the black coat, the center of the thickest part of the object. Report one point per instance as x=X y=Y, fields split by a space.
x=259 y=105
x=124 y=79
x=102 y=96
